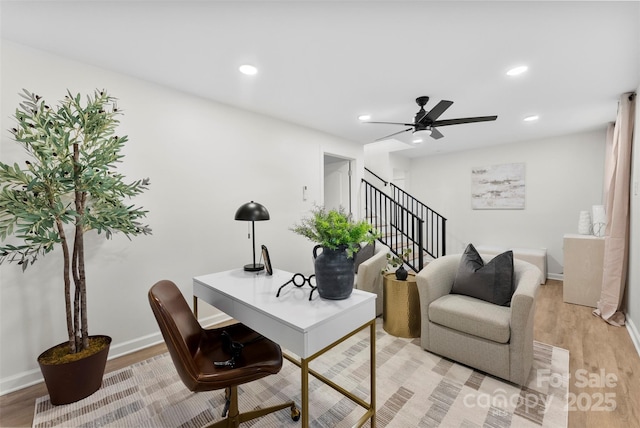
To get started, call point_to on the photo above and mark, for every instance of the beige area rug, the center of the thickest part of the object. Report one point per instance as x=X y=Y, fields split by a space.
x=414 y=389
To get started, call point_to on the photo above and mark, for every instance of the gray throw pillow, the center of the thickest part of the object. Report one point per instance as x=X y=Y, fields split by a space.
x=493 y=282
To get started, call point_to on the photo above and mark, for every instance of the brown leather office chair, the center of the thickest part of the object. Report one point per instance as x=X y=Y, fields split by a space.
x=204 y=357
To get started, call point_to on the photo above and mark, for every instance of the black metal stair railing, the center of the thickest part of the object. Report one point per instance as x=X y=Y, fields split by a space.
x=399 y=228
x=385 y=182
x=435 y=224
x=405 y=222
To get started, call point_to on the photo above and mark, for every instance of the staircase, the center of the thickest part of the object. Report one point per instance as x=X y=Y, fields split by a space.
x=405 y=223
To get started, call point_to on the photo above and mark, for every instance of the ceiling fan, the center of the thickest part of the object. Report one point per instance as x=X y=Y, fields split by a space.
x=425 y=122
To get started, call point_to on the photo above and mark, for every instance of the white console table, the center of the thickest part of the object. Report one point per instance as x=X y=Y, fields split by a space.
x=583 y=258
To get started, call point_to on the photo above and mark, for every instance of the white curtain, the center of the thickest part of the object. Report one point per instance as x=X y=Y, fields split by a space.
x=617 y=197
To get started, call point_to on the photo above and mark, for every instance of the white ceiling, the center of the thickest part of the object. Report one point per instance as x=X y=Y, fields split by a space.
x=323 y=63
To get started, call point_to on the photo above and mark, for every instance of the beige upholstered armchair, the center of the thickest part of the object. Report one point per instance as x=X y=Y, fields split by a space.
x=492 y=338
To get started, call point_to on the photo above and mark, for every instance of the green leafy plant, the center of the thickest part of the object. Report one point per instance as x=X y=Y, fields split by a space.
x=334 y=229
x=71 y=179
x=395 y=260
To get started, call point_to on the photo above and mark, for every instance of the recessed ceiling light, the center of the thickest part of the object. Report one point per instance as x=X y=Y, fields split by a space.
x=247 y=69
x=364 y=117
x=532 y=118
x=517 y=70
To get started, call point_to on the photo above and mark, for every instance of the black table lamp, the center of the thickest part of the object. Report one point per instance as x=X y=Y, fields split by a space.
x=252 y=211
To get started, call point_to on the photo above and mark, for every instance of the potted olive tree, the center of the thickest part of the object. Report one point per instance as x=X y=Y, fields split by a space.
x=340 y=237
x=68 y=185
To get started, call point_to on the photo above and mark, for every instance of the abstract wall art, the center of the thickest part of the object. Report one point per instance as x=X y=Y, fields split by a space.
x=498 y=187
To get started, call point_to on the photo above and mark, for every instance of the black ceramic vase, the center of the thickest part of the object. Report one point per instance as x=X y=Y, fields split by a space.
x=401 y=274
x=334 y=273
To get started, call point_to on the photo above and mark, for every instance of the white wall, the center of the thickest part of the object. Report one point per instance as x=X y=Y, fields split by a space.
x=401 y=167
x=563 y=175
x=204 y=161
x=632 y=302
x=377 y=159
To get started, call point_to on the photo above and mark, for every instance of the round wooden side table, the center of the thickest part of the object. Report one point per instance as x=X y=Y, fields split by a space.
x=401 y=306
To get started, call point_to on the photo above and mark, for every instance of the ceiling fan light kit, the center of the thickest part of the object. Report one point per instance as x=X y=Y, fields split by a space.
x=425 y=122
x=421 y=134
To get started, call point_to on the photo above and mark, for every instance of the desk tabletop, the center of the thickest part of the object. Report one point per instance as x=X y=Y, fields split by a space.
x=293 y=307
x=301 y=326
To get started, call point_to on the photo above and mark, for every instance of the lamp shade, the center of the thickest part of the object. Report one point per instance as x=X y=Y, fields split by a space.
x=252 y=211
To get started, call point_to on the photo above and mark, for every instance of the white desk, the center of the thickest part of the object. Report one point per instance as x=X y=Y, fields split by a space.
x=306 y=328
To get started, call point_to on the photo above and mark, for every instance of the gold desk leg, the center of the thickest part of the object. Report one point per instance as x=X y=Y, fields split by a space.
x=372 y=350
x=305 y=371
x=195 y=306
x=304 y=382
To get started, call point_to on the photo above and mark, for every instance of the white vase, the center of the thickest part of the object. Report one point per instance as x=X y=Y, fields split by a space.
x=599 y=219
x=584 y=223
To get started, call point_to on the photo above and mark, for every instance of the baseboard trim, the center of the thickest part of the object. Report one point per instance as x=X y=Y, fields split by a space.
x=557 y=276
x=28 y=378
x=633 y=333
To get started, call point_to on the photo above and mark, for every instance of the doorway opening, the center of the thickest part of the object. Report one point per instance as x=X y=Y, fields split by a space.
x=337 y=183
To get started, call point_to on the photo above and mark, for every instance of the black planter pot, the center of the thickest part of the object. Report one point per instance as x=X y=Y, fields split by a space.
x=73 y=381
x=401 y=274
x=334 y=273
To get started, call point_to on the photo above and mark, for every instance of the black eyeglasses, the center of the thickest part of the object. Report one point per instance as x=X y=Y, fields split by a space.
x=299 y=280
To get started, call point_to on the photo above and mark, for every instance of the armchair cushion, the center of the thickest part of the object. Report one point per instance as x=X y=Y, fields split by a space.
x=472 y=316
x=492 y=282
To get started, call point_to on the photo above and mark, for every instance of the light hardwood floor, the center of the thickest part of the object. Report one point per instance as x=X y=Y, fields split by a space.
x=597 y=351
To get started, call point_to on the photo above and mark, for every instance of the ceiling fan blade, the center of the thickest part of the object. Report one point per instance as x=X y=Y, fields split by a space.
x=435 y=134
x=440 y=108
x=395 y=133
x=463 y=120
x=391 y=123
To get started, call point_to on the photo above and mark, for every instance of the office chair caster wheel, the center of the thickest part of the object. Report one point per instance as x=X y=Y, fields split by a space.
x=295 y=413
